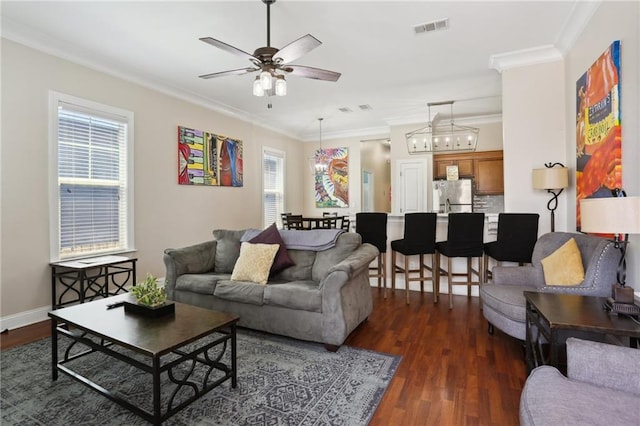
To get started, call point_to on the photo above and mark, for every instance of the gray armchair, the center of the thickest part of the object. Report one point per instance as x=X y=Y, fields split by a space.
x=602 y=387
x=503 y=302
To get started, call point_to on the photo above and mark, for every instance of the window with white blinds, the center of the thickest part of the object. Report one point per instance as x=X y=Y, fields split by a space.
x=91 y=200
x=272 y=186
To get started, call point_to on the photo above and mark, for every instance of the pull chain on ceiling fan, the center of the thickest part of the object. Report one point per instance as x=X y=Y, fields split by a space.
x=273 y=63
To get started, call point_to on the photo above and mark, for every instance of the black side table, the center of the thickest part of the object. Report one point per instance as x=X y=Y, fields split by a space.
x=552 y=318
x=86 y=279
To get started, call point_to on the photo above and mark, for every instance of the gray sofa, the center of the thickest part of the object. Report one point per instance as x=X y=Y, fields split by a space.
x=503 y=302
x=322 y=298
x=602 y=387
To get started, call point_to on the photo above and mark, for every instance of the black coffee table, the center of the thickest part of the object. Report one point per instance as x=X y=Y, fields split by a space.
x=552 y=318
x=153 y=345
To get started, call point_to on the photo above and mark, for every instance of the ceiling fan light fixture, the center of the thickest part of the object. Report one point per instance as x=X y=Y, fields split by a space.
x=257 y=87
x=280 y=86
x=266 y=80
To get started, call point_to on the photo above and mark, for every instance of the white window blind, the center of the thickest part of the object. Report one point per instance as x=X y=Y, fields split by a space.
x=273 y=186
x=93 y=183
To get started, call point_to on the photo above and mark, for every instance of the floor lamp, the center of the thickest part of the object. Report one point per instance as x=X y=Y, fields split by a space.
x=618 y=215
x=553 y=179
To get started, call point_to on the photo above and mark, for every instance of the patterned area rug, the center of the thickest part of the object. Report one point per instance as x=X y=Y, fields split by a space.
x=281 y=381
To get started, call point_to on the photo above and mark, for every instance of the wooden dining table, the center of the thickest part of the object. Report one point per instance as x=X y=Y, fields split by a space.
x=321 y=221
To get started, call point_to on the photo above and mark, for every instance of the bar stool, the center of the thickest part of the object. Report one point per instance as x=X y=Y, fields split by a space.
x=372 y=227
x=465 y=233
x=294 y=221
x=517 y=235
x=330 y=223
x=419 y=239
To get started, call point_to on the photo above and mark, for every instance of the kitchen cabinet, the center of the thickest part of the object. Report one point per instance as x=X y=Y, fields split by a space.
x=485 y=167
x=489 y=176
x=465 y=167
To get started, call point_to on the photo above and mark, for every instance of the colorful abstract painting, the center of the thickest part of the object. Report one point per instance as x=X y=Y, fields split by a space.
x=205 y=158
x=598 y=129
x=332 y=186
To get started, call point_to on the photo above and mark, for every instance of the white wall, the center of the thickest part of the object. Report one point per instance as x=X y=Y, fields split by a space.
x=533 y=113
x=166 y=214
x=612 y=21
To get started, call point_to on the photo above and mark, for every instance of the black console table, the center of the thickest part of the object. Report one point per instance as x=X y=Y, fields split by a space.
x=87 y=279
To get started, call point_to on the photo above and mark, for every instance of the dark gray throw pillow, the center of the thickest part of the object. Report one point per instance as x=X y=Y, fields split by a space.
x=227 y=249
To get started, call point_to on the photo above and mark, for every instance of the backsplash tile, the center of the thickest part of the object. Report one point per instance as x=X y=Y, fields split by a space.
x=488 y=203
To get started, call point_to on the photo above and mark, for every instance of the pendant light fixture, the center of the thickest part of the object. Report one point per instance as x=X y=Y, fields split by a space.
x=319 y=161
x=435 y=138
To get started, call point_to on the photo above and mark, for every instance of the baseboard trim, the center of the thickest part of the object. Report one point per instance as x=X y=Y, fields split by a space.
x=25 y=318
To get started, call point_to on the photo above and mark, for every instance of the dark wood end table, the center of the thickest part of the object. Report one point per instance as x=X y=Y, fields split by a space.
x=552 y=318
x=94 y=326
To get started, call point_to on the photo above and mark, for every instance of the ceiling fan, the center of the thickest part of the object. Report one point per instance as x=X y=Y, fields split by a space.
x=273 y=63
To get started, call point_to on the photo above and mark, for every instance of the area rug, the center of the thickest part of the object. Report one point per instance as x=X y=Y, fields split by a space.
x=281 y=381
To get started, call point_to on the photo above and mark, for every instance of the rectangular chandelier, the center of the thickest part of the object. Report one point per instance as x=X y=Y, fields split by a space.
x=436 y=138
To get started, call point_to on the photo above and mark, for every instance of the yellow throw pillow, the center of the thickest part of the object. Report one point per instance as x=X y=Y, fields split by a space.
x=564 y=266
x=254 y=262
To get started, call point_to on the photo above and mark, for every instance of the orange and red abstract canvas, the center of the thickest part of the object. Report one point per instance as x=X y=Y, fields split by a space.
x=205 y=158
x=598 y=129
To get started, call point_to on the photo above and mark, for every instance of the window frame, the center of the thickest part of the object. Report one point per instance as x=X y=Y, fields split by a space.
x=282 y=154
x=100 y=110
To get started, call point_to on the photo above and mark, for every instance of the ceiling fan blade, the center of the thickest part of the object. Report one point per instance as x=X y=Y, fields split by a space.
x=310 y=72
x=228 y=48
x=296 y=49
x=230 y=72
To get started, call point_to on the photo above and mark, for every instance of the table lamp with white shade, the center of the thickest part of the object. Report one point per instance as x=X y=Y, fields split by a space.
x=618 y=215
x=553 y=180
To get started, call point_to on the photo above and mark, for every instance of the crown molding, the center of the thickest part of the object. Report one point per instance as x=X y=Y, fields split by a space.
x=524 y=57
x=580 y=15
x=578 y=19
x=36 y=40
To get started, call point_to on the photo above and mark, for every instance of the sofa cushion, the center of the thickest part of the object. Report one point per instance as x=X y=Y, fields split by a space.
x=564 y=266
x=227 y=249
x=303 y=295
x=549 y=398
x=200 y=283
x=240 y=291
x=507 y=299
x=271 y=235
x=301 y=271
x=254 y=262
x=346 y=244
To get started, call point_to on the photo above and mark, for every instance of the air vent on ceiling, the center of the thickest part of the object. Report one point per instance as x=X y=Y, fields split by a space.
x=441 y=24
x=365 y=107
x=345 y=109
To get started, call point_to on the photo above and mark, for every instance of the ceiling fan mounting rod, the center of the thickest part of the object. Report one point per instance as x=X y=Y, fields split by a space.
x=268 y=3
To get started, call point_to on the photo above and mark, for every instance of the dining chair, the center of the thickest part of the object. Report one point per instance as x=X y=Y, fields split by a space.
x=294 y=221
x=517 y=236
x=283 y=218
x=372 y=227
x=465 y=234
x=331 y=222
x=345 y=223
x=419 y=239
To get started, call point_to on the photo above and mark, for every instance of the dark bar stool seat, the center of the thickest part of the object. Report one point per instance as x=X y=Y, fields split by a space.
x=465 y=233
x=372 y=227
x=419 y=239
x=517 y=235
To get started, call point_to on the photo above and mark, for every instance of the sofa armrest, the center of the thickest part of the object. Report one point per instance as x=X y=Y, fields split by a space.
x=359 y=259
x=601 y=364
x=194 y=259
x=518 y=275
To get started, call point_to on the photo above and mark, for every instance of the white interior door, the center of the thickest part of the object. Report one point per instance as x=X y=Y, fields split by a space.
x=367 y=191
x=411 y=179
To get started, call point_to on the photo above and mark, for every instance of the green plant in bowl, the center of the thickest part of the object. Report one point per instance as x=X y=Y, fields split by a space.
x=149 y=293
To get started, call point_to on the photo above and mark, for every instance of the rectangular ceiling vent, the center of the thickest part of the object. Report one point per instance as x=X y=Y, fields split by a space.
x=345 y=109
x=365 y=107
x=441 y=24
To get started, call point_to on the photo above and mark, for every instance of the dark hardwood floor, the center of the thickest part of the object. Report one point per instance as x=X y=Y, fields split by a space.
x=452 y=371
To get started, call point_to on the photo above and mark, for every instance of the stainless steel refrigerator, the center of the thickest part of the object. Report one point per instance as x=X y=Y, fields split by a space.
x=453 y=195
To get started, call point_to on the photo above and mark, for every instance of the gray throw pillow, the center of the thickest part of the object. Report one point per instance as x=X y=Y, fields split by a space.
x=227 y=249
